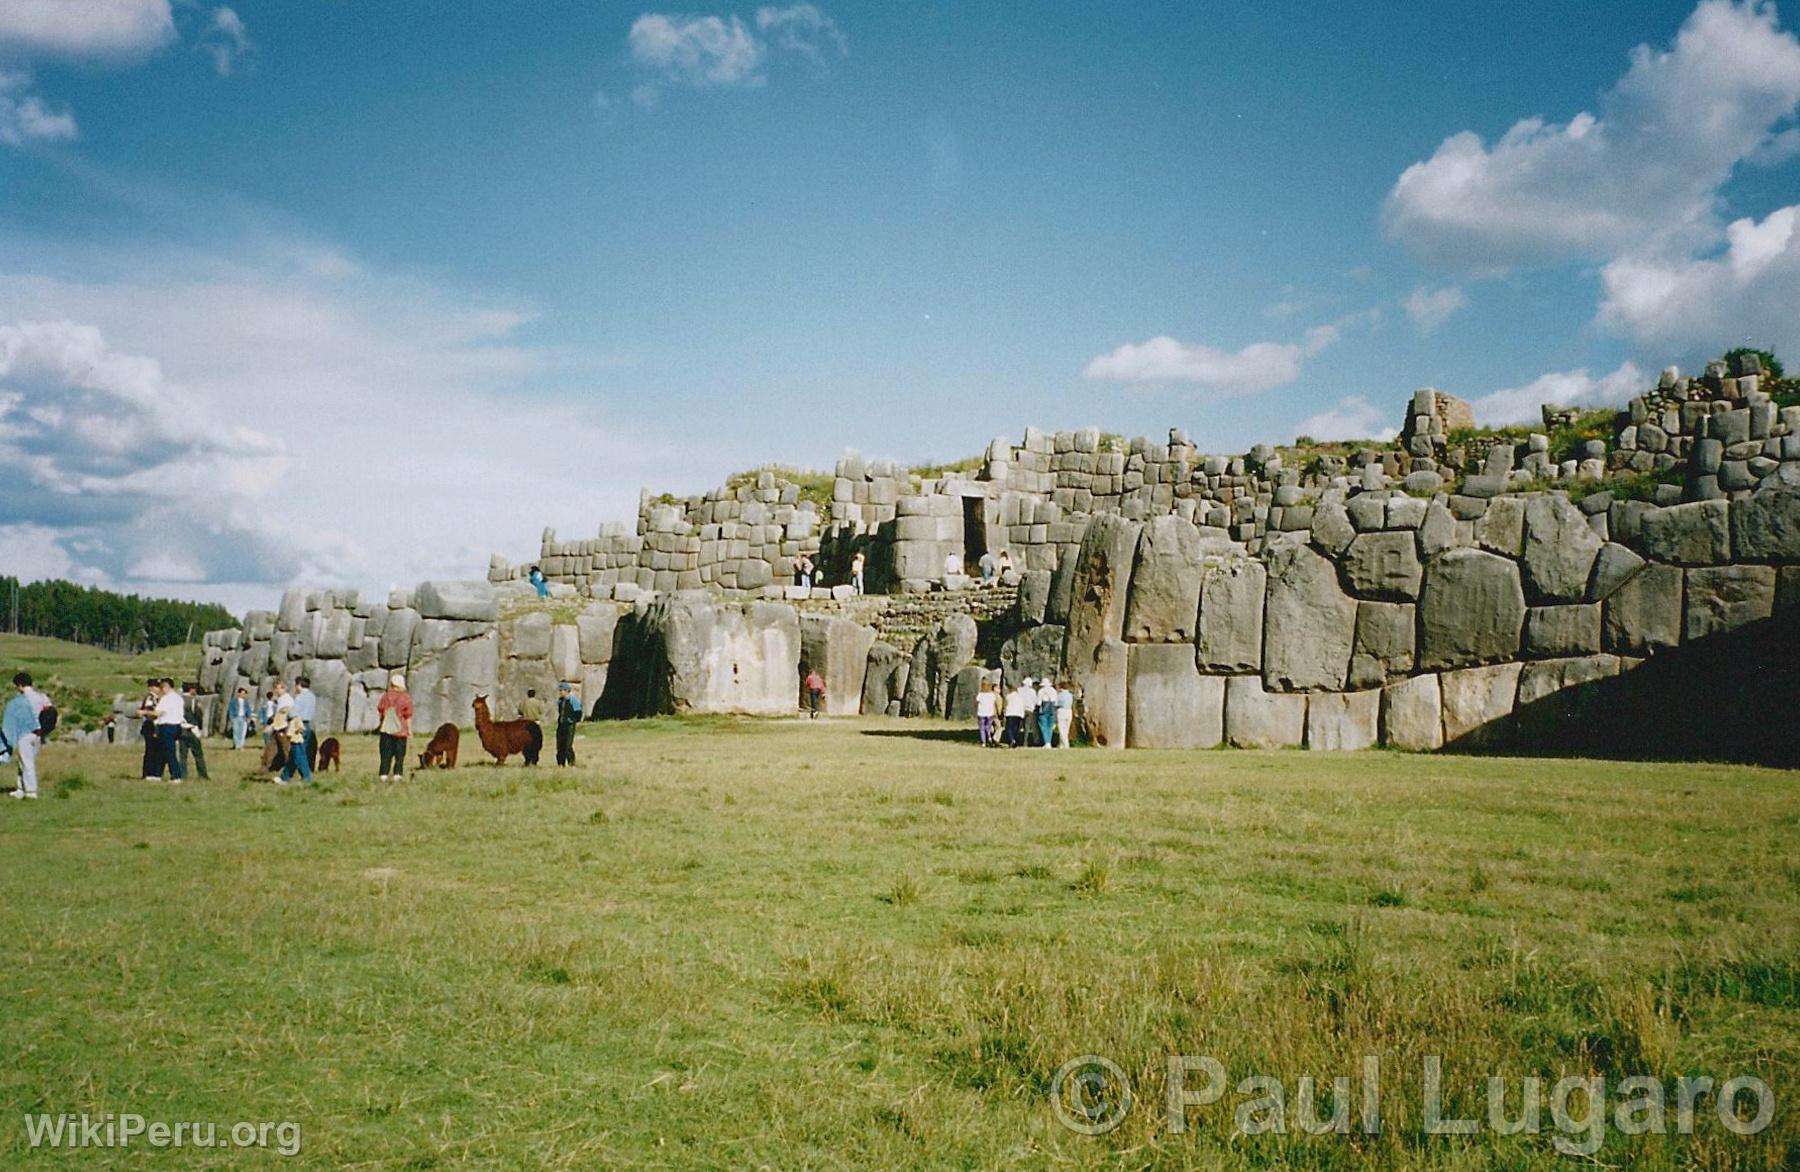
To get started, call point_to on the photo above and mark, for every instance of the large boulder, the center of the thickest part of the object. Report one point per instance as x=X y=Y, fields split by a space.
x=937 y=658
x=1229 y=637
x=1342 y=720
x=1101 y=695
x=1552 y=696
x=1169 y=704
x=1309 y=622
x=1384 y=566
x=1562 y=632
x=1615 y=565
x=1165 y=583
x=596 y=627
x=1034 y=651
x=1471 y=609
x=1723 y=598
x=1478 y=704
x=1256 y=718
x=526 y=636
x=1412 y=714
x=1383 y=648
x=565 y=652
x=1765 y=526
x=1099 y=587
x=838 y=649
x=1034 y=595
x=1560 y=548
x=473 y=601
x=331 y=684
x=397 y=637
x=444 y=683
x=884 y=680
x=685 y=651
x=1695 y=534
x=1644 y=615
x=1062 y=587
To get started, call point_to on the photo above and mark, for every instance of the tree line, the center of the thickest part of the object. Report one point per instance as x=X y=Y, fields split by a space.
x=125 y=623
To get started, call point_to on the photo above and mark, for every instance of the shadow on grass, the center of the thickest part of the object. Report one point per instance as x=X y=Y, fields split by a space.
x=967 y=736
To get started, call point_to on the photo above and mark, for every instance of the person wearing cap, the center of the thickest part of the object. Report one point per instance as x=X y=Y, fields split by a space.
x=568 y=715
x=1046 y=713
x=394 y=712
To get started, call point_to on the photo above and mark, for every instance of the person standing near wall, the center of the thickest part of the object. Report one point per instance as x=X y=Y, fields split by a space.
x=803 y=571
x=538 y=583
x=990 y=568
x=987 y=702
x=568 y=715
x=394 y=714
x=190 y=746
x=1065 y=714
x=19 y=728
x=856 y=572
x=815 y=692
x=1016 y=700
x=531 y=708
x=171 y=714
x=1046 y=712
x=237 y=715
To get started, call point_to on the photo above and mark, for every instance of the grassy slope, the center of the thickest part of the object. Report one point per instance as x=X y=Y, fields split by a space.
x=726 y=943
x=83 y=680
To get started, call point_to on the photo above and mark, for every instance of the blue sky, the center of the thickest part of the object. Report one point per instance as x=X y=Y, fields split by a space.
x=359 y=292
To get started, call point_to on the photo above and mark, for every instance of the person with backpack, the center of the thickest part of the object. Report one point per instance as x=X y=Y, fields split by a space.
x=568 y=715
x=29 y=717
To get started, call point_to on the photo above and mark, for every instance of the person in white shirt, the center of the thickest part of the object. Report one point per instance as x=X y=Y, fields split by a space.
x=171 y=714
x=987 y=703
x=952 y=565
x=1017 y=701
x=1065 y=714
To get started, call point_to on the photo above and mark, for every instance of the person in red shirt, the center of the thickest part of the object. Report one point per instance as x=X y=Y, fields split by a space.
x=815 y=692
x=395 y=712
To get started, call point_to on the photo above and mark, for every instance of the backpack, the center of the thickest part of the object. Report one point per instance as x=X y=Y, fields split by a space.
x=46 y=721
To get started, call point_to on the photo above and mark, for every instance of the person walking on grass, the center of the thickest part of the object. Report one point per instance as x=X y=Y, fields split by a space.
x=987 y=705
x=394 y=714
x=299 y=756
x=1046 y=712
x=189 y=745
x=238 y=715
x=815 y=692
x=171 y=715
x=568 y=715
x=1065 y=714
x=20 y=732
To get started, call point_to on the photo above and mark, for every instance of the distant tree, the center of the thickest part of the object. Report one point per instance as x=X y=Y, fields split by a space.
x=1771 y=365
x=126 y=623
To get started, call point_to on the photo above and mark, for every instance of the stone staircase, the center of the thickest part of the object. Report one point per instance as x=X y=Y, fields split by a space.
x=902 y=619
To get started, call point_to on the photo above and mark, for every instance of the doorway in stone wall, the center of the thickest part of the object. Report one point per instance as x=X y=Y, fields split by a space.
x=974 y=532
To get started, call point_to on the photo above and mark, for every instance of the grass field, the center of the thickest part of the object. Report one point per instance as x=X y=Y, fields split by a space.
x=83 y=680
x=860 y=944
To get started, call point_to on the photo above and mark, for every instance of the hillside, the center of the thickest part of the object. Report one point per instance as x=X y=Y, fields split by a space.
x=83 y=680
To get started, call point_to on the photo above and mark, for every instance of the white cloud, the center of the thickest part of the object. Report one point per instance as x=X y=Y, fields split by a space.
x=803 y=29
x=722 y=52
x=227 y=41
x=1750 y=292
x=697 y=50
x=1568 y=388
x=1256 y=367
x=27 y=118
x=1431 y=308
x=222 y=427
x=84 y=28
x=1353 y=418
x=1643 y=175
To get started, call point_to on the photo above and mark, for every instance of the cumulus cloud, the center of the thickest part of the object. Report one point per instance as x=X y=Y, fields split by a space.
x=85 y=28
x=723 y=52
x=1642 y=175
x=1256 y=367
x=1352 y=418
x=1567 y=388
x=1431 y=308
x=27 y=118
x=1748 y=292
x=227 y=41
x=220 y=425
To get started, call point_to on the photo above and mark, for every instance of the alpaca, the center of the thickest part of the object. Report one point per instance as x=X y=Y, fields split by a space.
x=503 y=738
x=442 y=749
x=329 y=754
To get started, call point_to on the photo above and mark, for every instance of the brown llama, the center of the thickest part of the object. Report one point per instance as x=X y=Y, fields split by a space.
x=442 y=749
x=503 y=738
x=330 y=755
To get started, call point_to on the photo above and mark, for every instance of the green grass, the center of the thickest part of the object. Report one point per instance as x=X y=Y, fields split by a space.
x=83 y=680
x=729 y=943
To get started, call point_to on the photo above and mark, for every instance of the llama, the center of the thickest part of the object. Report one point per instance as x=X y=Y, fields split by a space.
x=330 y=755
x=442 y=749
x=503 y=738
